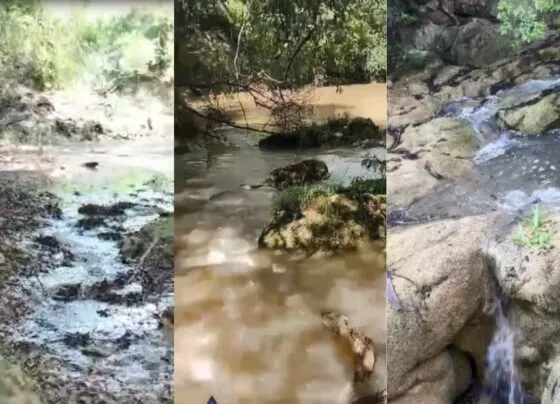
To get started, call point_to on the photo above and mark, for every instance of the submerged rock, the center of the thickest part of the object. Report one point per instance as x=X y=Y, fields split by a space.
x=328 y=223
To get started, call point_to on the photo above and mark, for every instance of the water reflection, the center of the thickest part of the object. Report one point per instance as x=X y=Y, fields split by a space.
x=248 y=326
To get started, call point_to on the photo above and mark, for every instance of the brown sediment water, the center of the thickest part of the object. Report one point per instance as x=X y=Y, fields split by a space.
x=247 y=321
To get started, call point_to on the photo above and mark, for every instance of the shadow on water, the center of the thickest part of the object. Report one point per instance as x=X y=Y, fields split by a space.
x=247 y=321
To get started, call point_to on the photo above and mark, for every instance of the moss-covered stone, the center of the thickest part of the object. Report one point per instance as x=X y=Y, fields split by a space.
x=535 y=118
x=300 y=173
x=328 y=223
x=342 y=131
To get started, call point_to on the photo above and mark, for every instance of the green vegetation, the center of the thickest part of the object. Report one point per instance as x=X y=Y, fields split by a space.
x=535 y=232
x=527 y=20
x=293 y=200
x=524 y=21
x=265 y=48
x=43 y=50
x=285 y=44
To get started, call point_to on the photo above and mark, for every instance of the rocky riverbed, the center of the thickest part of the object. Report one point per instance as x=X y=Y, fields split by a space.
x=472 y=173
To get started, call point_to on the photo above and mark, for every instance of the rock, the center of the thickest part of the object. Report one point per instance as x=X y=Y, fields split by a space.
x=335 y=132
x=479 y=43
x=551 y=393
x=91 y=130
x=297 y=174
x=2 y=259
x=327 y=223
x=533 y=119
x=408 y=182
x=449 y=135
x=448 y=288
x=424 y=61
x=530 y=278
x=439 y=380
x=476 y=8
x=116 y=209
x=445 y=145
x=362 y=346
x=529 y=275
x=153 y=244
x=434 y=38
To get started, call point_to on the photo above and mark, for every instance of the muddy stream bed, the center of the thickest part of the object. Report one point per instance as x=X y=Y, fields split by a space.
x=248 y=326
x=87 y=310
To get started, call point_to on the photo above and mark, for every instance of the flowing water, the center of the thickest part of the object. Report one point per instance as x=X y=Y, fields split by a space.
x=512 y=171
x=111 y=346
x=247 y=321
x=504 y=384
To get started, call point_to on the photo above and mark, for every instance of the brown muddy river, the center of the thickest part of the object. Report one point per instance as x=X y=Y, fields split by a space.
x=247 y=323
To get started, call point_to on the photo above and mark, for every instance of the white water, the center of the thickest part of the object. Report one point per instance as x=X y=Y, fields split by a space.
x=500 y=356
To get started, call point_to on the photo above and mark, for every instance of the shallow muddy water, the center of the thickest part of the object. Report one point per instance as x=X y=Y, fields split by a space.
x=247 y=322
x=115 y=345
x=512 y=171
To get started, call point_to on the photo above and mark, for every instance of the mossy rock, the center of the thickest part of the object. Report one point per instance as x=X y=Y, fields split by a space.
x=336 y=132
x=328 y=223
x=303 y=172
x=534 y=118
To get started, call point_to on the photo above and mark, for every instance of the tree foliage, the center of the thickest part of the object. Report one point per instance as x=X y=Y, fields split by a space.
x=284 y=43
x=527 y=20
x=44 y=51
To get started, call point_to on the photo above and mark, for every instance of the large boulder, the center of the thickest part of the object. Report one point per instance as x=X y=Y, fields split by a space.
x=440 y=279
x=479 y=43
x=530 y=278
x=439 y=380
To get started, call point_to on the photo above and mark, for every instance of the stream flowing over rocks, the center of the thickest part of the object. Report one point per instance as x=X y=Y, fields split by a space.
x=474 y=152
x=91 y=316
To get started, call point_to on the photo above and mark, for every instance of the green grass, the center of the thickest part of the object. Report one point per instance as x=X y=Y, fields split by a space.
x=42 y=50
x=293 y=199
x=535 y=232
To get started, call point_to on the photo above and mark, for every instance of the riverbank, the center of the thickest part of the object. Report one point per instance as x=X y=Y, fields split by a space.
x=470 y=161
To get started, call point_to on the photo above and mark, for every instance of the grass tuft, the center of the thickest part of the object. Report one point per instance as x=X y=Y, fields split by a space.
x=535 y=232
